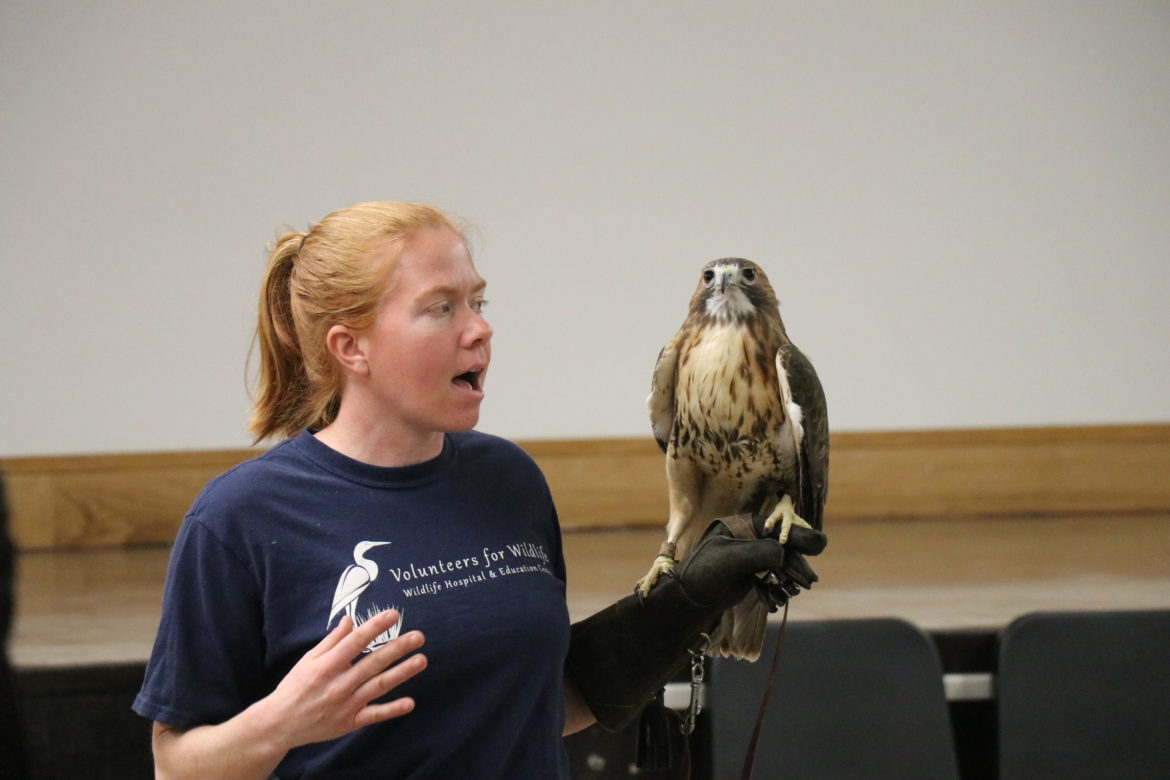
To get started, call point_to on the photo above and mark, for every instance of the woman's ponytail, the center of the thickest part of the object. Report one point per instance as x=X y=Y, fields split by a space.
x=282 y=386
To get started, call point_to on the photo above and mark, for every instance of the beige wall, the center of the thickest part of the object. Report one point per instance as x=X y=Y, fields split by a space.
x=962 y=206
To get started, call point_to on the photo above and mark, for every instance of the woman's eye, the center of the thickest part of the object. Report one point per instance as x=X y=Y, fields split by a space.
x=441 y=309
x=478 y=305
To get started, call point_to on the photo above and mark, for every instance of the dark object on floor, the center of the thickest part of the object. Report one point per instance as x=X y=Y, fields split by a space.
x=12 y=752
x=78 y=722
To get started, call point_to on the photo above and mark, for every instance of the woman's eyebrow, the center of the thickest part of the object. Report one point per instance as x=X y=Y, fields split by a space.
x=448 y=289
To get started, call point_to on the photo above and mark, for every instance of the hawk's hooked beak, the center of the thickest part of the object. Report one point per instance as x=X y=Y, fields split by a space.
x=724 y=279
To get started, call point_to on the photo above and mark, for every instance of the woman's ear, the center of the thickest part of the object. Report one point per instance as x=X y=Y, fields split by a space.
x=346 y=349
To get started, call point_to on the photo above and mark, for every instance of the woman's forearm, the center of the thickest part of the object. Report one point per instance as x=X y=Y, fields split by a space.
x=242 y=748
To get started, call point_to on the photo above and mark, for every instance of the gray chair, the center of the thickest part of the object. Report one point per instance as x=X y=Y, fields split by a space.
x=1085 y=695
x=851 y=699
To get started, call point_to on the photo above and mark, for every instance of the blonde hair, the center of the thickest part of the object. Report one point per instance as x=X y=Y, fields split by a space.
x=313 y=281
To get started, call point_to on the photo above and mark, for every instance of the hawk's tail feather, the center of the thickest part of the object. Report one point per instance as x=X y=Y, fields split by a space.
x=740 y=633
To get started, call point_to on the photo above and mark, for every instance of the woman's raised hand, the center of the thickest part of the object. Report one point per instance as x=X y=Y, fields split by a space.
x=327 y=694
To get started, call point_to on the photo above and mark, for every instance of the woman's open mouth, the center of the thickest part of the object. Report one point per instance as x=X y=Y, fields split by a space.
x=470 y=380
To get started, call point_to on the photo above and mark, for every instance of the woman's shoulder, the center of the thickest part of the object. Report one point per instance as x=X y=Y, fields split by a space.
x=491 y=454
x=248 y=481
x=480 y=445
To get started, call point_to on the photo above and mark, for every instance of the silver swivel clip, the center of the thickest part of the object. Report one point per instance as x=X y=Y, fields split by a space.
x=696 y=705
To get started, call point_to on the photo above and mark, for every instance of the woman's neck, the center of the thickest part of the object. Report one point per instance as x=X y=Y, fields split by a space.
x=379 y=444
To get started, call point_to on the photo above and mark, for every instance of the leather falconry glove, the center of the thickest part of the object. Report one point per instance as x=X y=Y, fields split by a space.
x=620 y=657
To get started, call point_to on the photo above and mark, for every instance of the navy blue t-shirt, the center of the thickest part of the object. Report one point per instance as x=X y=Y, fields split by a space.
x=467 y=547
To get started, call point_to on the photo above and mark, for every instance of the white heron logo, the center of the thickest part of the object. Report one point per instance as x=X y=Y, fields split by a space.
x=353 y=582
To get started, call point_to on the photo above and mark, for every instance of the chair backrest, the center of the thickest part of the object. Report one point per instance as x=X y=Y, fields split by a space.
x=1085 y=695
x=851 y=699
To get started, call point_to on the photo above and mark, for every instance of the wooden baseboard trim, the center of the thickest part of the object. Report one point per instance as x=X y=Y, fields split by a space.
x=1025 y=471
x=120 y=500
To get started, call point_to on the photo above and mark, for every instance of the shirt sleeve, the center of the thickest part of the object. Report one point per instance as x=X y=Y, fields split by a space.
x=559 y=551
x=208 y=659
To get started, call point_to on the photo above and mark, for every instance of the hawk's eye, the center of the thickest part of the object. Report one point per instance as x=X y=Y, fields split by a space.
x=749 y=275
x=708 y=276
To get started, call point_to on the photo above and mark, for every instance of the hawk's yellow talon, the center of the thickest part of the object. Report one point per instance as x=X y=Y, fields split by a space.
x=785 y=514
x=662 y=564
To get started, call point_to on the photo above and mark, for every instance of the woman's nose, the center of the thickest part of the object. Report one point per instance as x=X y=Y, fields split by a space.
x=479 y=329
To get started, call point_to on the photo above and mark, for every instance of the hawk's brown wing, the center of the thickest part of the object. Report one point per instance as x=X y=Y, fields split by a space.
x=813 y=456
x=661 y=401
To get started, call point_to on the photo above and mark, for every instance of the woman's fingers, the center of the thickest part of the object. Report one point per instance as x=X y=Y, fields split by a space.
x=387 y=654
x=331 y=640
x=383 y=683
x=383 y=672
x=348 y=641
x=353 y=645
x=376 y=713
x=380 y=671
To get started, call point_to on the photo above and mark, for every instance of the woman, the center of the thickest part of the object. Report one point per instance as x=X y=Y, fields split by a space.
x=382 y=519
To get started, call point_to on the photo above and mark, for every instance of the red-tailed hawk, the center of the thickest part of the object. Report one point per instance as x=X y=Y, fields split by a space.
x=741 y=415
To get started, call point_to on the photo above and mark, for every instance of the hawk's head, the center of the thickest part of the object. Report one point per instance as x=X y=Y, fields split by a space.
x=733 y=289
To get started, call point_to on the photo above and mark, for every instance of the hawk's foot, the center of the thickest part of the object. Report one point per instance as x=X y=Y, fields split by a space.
x=662 y=565
x=785 y=514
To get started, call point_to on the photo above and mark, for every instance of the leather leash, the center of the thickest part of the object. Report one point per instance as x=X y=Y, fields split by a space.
x=750 y=760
